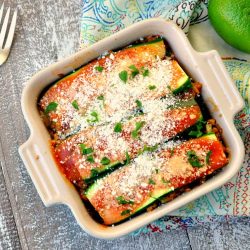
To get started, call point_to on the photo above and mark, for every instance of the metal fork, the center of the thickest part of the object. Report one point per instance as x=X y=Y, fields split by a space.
x=6 y=34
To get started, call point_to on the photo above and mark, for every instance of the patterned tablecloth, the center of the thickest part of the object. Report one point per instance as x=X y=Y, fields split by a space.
x=104 y=17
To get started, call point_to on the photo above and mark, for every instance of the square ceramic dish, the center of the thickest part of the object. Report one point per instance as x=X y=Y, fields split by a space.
x=219 y=93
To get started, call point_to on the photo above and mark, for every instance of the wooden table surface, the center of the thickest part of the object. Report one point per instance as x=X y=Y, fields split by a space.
x=48 y=30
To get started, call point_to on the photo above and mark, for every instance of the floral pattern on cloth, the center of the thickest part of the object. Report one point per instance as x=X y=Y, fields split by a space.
x=104 y=17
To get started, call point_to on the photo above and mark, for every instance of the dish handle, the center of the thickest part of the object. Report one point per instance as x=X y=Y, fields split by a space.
x=37 y=164
x=222 y=82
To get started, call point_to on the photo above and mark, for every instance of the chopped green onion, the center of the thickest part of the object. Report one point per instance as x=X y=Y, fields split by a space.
x=193 y=159
x=105 y=161
x=118 y=127
x=75 y=104
x=139 y=104
x=125 y=212
x=122 y=201
x=123 y=75
x=99 y=68
x=208 y=156
x=134 y=71
x=51 y=107
x=138 y=126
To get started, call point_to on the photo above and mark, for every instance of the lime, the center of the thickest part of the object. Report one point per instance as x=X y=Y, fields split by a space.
x=231 y=20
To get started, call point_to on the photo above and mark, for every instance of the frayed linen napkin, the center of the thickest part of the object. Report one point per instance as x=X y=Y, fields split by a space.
x=102 y=18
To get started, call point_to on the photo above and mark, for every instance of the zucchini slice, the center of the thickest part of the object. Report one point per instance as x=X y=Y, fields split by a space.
x=181 y=81
x=146 y=130
x=130 y=189
x=84 y=86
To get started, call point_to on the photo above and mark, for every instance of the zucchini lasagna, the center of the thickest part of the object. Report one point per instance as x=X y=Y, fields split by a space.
x=130 y=129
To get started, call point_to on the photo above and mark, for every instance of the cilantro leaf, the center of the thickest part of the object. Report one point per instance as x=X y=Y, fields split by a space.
x=95 y=117
x=118 y=127
x=122 y=201
x=123 y=76
x=125 y=212
x=84 y=150
x=208 y=157
x=105 y=161
x=94 y=173
x=138 y=126
x=99 y=68
x=100 y=97
x=164 y=181
x=193 y=159
x=127 y=158
x=139 y=104
x=151 y=181
x=90 y=159
x=152 y=87
x=145 y=72
x=197 y=131
x=51 y=107
x=75 y=104
x=134 y=70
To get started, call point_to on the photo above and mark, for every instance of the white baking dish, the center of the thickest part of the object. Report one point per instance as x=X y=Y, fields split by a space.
x=219 y=93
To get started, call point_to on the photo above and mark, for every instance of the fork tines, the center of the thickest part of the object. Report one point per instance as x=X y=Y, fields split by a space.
x=5 y=33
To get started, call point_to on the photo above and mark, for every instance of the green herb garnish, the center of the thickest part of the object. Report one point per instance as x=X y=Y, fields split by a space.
x=197 y=132
x=90 y=158
x=157 y=171
x=118 y=127
x=105 y=161
x=127 y=158
x=138 y=126
x=95 y=117
x=99 y=68
x=139 y=104
x=164 y=181
x=125 y=212
x=152 y=182
x=171 y=152
x=134 y=70
x=208 y=156
x=94 y=173
x=148 y=149
x=122 y=201
x=75 y=104
x=100 y=97
x=193 y=159
x=145 y=72
x=84 y=150
x=51 y=107
x=87 y=151
x=123 y=75
x=152 y=87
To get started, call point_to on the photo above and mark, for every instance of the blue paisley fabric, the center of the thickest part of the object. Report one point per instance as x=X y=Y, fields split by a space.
x=104 y=17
